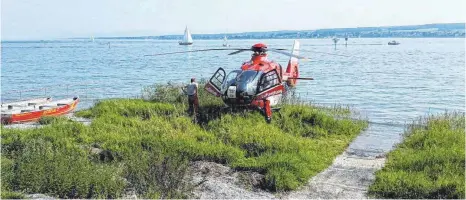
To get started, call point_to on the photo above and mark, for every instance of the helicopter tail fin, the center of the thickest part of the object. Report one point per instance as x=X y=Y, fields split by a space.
x=292 y=69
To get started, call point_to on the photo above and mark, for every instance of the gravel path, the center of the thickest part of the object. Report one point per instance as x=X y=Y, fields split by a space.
x=347 y=178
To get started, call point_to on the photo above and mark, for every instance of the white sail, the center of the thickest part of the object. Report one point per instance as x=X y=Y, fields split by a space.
x=225 y=42
x=187 y=36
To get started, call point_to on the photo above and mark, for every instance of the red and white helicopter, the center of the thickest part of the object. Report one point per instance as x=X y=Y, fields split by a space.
x=259 y=83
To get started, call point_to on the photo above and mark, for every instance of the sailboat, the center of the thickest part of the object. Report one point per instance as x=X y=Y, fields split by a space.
x=187 y=39
x=225 y=41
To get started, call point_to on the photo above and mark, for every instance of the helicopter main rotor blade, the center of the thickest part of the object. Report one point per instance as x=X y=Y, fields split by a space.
x=239 y=51
x=321 y=52
x=287 y=54
x=198 y=50
x=310 y=79
x=243 y=50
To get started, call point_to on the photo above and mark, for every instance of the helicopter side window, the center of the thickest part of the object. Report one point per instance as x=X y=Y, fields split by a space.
x=269 y=80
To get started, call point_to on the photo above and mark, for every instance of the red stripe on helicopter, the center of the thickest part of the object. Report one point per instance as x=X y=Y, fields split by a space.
x=270 y=92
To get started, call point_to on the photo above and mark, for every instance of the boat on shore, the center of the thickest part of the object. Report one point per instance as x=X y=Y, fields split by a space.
x=34 y=109
x=187 y=39
x=393 y=43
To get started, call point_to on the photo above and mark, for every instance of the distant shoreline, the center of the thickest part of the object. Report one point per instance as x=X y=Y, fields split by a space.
x=119 y=38
x=445 y=30
x=439 y=30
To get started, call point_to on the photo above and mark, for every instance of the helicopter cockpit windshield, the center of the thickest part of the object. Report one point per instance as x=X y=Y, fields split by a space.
x=230 y=79
x=247 y=81
x=246 y=76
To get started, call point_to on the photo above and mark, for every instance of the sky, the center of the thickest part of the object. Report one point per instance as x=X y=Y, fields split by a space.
x=53 y=19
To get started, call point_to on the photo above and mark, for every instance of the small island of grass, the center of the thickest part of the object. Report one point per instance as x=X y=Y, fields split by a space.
x=146 y=145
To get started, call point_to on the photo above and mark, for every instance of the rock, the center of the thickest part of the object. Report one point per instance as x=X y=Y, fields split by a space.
x=38 y=196
x=380 y=156
x=130 y=194
x=95 y=150
x=215 y=181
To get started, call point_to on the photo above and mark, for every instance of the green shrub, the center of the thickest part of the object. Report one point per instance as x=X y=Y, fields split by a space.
x=53 y=168
x=429 y=163
x=86 y=113
x=51 y=119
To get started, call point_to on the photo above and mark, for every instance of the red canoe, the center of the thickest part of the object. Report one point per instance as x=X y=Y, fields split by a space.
x=33 y=110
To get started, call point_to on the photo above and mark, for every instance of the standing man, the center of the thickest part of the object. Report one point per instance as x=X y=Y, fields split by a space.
x=193 y=101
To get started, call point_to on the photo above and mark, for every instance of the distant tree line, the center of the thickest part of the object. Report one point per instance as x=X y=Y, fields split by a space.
x=450 y=30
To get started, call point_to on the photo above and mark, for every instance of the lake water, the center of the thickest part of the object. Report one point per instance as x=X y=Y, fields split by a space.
x=390 y=85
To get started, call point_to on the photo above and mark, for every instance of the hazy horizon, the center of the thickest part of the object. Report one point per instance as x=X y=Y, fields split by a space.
x=58 y=19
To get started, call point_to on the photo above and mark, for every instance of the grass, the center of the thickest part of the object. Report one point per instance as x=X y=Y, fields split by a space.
x=12 y=195
x=147 y=144
x=430 y=162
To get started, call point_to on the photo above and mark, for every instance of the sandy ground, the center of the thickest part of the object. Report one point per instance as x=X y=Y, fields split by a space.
x=347 y=178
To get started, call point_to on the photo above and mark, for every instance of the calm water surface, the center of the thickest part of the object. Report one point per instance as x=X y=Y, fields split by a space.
x=390 y=85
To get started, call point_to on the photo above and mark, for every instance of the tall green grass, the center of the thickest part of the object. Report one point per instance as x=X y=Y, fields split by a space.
x=430 y=162
x=147 y=144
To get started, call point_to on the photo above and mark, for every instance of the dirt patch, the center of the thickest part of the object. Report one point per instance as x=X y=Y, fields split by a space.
x=215 y=181
x=348 y=177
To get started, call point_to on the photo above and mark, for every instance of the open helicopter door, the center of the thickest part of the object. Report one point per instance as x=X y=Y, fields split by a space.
x=215 y=83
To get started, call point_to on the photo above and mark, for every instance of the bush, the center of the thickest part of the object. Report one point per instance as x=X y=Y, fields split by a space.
x=51 y=119
x=63 y=171
x=429 y=163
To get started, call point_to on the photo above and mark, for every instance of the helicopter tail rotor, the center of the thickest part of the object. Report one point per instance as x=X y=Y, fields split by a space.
x=292 y=69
